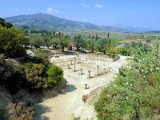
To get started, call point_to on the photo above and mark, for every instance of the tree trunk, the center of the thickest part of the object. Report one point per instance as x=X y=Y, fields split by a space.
x=77 y=48
x=92 y=50
x=62 y=48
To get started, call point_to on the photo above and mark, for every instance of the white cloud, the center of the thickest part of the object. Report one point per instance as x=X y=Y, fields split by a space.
x=77 y=19
x=84 y=5
x=29 y=9
x=52 y=10
x=17 y=9
x=49 y=10
x=99 y=6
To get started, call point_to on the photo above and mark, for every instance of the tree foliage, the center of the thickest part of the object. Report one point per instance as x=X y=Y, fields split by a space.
x=102 y=45
x=55 y=74
x=62 y=40
x=121 y=51
x=79 y=42
x=134 y=94
x=12 y=41
x=36 y=41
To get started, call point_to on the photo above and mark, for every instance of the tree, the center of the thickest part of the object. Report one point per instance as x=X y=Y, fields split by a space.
x=102 y=45
x=36 y=41
x=63 y=41
x=78 y=41
x=108 y=35
x=96 y=36
x=2 y=22
x=47 y=41
x=54 y=42
x=90 y=44
x=11 y=42
x=5 y=24
x=8 y=25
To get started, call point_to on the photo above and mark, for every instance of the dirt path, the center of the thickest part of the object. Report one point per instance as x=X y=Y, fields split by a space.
x=63 y=106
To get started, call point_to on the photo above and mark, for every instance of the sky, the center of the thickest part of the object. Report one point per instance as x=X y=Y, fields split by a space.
x=134 y=13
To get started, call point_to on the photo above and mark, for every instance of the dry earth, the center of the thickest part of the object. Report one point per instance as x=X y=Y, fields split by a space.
x=69 y=104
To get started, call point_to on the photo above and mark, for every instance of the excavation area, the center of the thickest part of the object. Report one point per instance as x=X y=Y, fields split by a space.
x=84 y=74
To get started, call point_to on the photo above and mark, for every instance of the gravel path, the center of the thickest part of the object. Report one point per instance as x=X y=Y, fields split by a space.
x=69 y=104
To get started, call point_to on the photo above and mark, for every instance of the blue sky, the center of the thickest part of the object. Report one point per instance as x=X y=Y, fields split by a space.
x=135 y=13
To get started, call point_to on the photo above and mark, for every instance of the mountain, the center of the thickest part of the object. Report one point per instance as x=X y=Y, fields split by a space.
x=45 y=21
x=133 y=29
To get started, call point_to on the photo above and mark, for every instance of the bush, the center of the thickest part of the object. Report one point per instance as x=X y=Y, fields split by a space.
x=16 y=52
x=20 y=112
x=121 y=51
x=35 y=76
x=11 y=76
x=135 y=92
x=51 y=81
x=55 y=74
x=38 y=79
x=43 y=55
x=115 y=57
x=28 y=75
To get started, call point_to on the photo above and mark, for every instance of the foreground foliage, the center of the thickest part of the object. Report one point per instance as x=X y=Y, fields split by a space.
x=29 y=74
x=11 y=40
x=24 y=73
x=135 y=94
x=33 y=75
x=20 y=112
x=55 y=74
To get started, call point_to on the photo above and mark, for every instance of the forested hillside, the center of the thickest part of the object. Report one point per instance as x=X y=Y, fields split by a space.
x=45 y=21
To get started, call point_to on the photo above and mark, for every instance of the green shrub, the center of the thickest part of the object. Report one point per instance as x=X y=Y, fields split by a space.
x=135 y=92
x=115 y=57
x=121 y=51
x=55 y=74
x=31 y=76
x=50 y=81
x=42 y=55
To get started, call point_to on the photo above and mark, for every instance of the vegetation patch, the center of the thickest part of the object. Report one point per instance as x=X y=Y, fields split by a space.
x=134 y=94
x=121 y=51
x=12 y=40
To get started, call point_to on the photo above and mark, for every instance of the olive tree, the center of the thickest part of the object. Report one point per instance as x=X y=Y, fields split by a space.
x=79 y=42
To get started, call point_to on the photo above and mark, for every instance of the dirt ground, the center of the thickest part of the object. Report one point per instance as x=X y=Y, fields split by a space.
x=69 y=104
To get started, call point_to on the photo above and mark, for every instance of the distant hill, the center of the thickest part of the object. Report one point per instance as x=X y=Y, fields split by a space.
x=45 y=21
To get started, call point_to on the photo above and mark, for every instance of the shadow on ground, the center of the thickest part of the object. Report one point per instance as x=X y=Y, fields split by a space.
x=3 y=108
x=41 y=109
x=69 y=88
x=73 y=52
